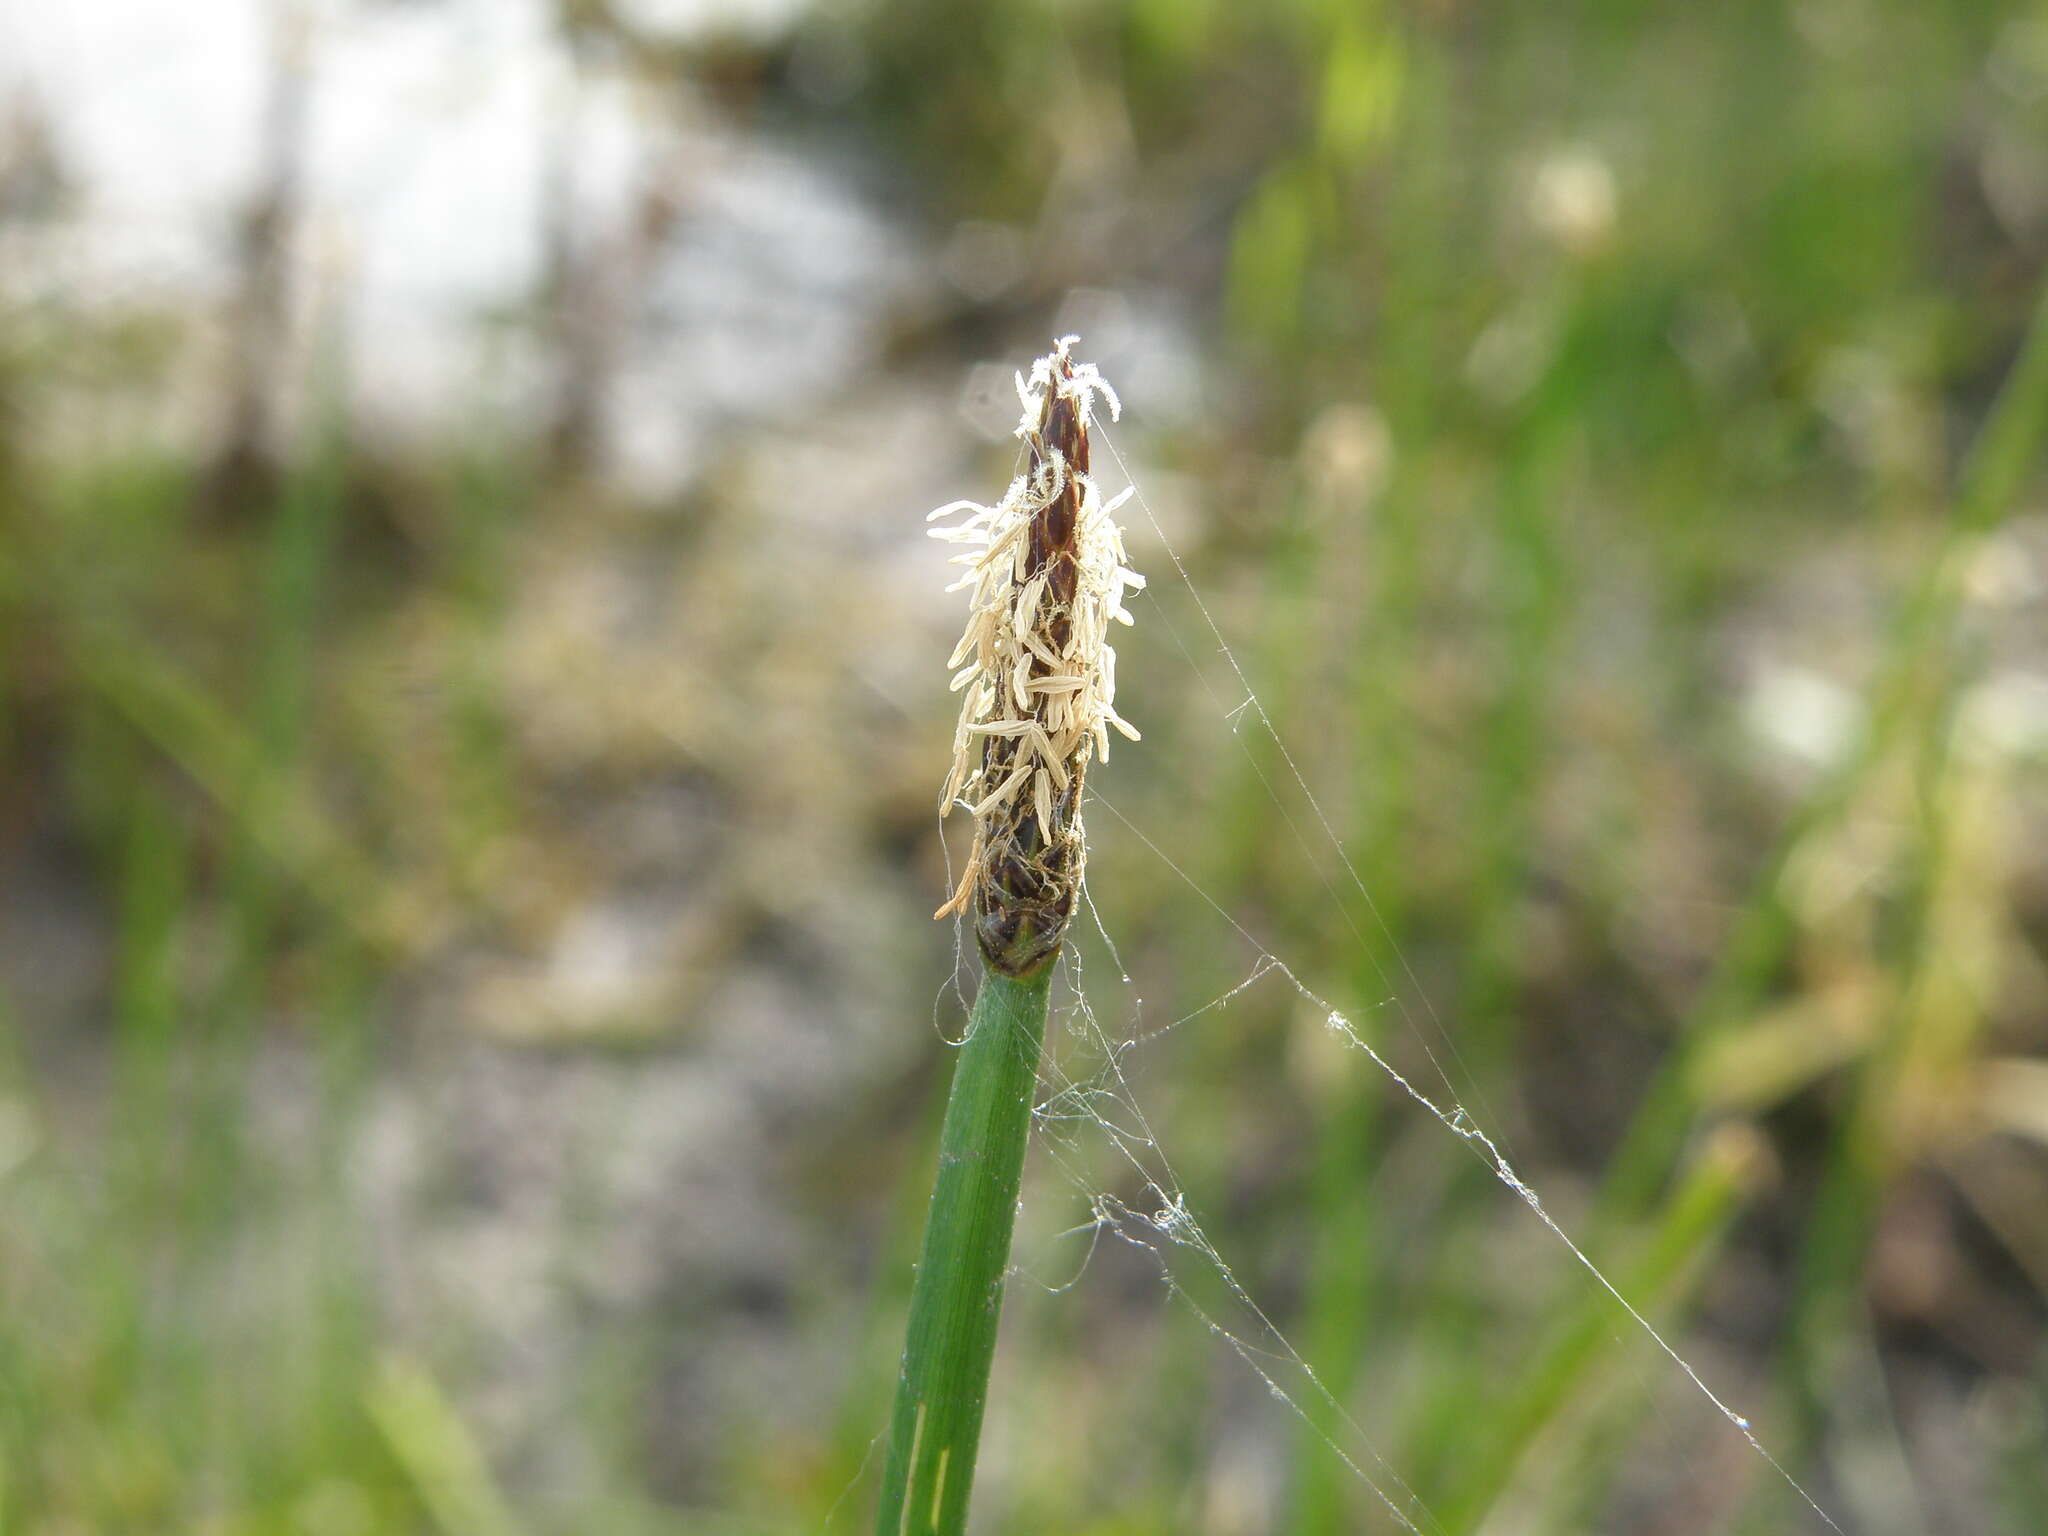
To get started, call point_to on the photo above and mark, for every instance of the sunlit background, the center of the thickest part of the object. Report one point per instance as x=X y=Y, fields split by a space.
x=472 y=705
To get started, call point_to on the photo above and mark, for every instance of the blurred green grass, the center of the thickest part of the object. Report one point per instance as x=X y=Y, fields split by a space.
x=1560 y=365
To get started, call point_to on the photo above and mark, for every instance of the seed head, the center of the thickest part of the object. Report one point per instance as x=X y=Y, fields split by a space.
x=1047 y=569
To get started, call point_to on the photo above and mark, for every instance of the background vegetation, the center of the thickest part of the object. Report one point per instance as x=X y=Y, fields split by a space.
x=469 y=1055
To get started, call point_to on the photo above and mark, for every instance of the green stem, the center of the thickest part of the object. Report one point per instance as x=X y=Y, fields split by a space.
x=958 y=1295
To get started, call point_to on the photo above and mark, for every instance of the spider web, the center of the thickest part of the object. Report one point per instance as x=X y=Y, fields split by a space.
x=1089 y=1100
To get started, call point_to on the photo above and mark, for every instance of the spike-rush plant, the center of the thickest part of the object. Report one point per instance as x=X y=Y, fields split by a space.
x=1047 y=569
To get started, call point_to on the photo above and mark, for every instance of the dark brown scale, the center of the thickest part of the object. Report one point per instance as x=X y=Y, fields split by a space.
x=1052 y=530
x=1031 y=874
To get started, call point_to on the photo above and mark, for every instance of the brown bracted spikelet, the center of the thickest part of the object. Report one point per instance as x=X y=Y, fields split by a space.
x=1039 y=675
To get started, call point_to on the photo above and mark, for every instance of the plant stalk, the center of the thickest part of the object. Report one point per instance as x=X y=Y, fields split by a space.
x=957 y=1298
